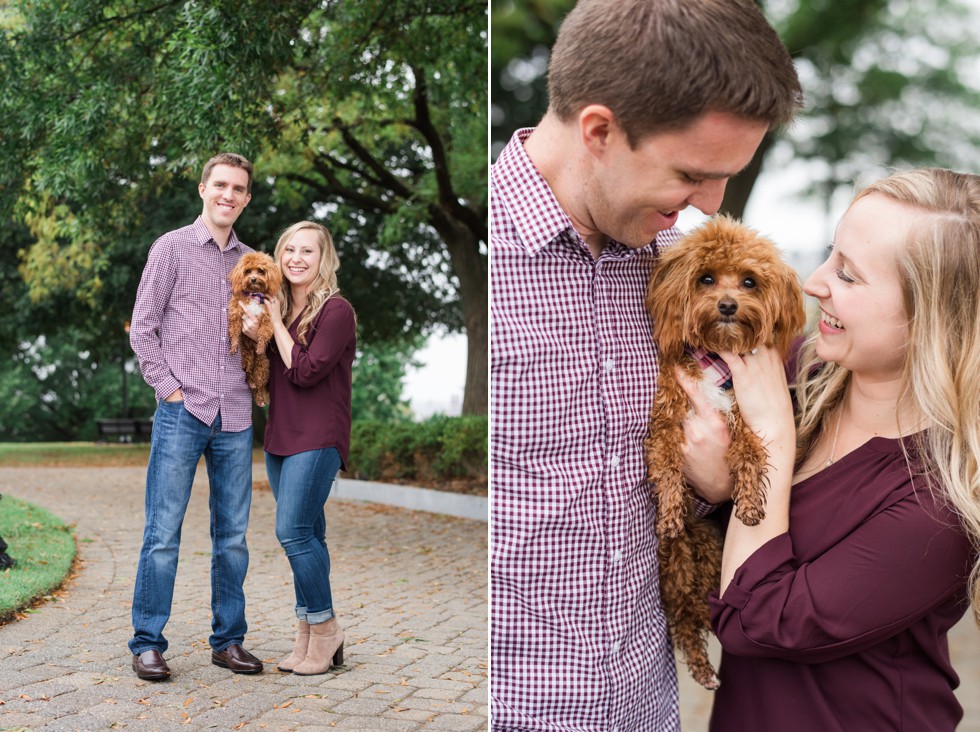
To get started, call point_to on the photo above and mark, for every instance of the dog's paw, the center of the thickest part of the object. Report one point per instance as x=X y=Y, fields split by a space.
x=711 y=683
x=749 y=514
x=669 y=527
x=704 y=674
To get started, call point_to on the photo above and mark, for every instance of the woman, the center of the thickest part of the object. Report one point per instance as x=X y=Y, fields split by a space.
x=307 y=437
x=833 y=612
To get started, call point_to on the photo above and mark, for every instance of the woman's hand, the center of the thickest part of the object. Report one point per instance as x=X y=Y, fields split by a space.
x=275 y=312
x=759 y=381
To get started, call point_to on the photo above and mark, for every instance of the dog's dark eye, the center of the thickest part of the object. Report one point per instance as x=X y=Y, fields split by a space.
x=707 y=280
x=748 y=283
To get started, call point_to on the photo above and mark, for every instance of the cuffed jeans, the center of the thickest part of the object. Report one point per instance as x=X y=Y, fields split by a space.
x=301 y=484
x=179 y=440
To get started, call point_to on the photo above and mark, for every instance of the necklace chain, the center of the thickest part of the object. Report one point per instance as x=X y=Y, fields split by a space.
x=833 y=447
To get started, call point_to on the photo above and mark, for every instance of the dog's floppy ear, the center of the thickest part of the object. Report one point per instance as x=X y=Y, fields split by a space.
x=237 y=272
x=668 y=299
x=790 y=312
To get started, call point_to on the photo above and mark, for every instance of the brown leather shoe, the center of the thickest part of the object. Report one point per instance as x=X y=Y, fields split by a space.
x=237 y=659
x=150 y=666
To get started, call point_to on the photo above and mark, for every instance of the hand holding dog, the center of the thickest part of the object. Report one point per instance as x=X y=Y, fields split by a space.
x=250 y=323
x=706 y=442
x=759 y=381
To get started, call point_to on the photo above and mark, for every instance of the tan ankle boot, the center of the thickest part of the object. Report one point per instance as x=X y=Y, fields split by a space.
x=299 y=650
x=326 y=649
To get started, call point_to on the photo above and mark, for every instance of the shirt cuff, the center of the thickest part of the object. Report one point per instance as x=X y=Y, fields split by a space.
x=702 y=508
x=166 y=388
x=762 y=565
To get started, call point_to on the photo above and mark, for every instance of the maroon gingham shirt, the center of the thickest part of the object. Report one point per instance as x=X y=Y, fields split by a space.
x=578 y=637
x=179 y=329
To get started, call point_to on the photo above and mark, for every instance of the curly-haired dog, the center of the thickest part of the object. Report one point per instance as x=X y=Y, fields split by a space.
x=723 y=287
x=255 y=278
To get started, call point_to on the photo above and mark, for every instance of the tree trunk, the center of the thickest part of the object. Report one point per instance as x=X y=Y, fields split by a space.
x=470 y=269
x=739 y=188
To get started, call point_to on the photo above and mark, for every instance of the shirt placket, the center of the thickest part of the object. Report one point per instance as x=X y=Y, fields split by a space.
x=224 y=266
x=614 y=483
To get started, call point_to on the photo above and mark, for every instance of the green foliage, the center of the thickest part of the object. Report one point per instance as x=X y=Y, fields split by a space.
x=369 y=116
x=56 y=391
x=437 y=449
x=378 y=374
x=43 y=548
x=887 y=84
x=523 y=32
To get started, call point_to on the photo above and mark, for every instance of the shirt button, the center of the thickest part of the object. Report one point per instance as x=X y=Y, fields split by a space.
x=617 y=555
x=614 y=461
x=614 y=648
x=609 y=364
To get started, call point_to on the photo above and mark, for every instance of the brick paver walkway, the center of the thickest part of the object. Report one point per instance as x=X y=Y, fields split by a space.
x=410 y=590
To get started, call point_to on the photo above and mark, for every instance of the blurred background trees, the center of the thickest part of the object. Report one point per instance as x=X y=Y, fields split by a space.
x=364 y=116
x=888 y=84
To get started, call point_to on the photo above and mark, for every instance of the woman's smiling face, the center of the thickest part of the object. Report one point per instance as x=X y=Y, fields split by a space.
x=300 y=259
x=863 y=323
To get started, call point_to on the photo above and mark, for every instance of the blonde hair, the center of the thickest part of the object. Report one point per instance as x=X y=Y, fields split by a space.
x=322 y=288
x=939 y=270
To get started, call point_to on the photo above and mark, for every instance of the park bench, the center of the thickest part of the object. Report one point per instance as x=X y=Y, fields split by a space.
x=125 y=429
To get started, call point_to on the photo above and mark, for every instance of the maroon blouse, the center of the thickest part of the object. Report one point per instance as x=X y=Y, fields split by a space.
x=840 y=625
x=309 y=403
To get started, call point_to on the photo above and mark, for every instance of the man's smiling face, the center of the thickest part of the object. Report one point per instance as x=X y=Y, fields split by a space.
x=225 y=196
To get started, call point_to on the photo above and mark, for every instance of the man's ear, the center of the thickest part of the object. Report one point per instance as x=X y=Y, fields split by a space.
x=597 y=125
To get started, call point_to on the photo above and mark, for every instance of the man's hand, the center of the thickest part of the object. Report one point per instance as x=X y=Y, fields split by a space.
x=250 y=325
x=706 y=445
x=177 y=396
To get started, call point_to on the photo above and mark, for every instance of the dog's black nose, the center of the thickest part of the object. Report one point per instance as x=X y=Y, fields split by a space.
x=727 y=307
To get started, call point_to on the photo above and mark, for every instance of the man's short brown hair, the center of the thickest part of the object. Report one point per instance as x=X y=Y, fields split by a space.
x=659 y=64
x=234 y=160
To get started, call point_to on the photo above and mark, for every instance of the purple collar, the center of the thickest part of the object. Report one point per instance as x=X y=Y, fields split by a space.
x=260 y=296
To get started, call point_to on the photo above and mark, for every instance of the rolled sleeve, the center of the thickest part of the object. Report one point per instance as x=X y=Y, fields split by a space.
x=895 y=568
x=335 y=328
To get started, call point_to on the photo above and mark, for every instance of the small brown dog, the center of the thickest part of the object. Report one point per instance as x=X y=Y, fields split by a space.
x=723 y=287
x=254 y=279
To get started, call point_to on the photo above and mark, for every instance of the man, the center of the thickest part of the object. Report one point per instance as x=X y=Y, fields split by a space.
x=654 y=105
x=180 y=335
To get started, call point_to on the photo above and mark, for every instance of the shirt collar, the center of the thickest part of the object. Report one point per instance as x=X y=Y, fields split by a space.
x=203 y=235
x=535 y=212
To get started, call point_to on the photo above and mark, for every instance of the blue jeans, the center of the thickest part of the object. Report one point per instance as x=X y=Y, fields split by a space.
x=179 y=440
x=301 y=484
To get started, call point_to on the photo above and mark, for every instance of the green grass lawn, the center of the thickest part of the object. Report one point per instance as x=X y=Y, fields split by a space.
x=80 y=454
x=44 y=548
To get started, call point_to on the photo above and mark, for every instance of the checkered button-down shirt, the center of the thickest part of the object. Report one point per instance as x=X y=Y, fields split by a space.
x=179 y=329
x=578 y=637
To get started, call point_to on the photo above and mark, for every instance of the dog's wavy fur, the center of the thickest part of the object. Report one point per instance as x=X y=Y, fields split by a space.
x=256 y=274
x=723 y=287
